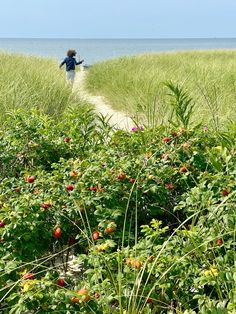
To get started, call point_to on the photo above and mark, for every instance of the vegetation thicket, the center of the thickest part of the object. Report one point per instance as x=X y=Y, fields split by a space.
x=138 y=83
x=95 y=220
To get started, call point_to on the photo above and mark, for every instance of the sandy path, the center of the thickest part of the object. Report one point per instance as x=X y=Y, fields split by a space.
x=118 y=119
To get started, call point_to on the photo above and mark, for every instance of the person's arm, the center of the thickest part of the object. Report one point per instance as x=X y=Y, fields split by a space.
x=62 y=63
x=79 y=62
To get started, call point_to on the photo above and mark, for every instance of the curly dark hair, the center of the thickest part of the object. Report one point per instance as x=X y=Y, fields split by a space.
x=71 y=53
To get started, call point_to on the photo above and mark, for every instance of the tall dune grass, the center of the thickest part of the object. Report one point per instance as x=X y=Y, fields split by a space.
x=31 y=82
x=135 y=84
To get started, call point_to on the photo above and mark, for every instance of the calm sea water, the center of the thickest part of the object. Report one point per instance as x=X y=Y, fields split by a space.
x=94 y=50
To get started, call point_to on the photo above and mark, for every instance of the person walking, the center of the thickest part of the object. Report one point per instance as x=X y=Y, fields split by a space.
x=70 y=63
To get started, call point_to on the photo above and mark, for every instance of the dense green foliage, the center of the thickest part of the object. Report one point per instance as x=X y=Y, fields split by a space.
x=137 y=83
x=149 y=217
x=94 y=220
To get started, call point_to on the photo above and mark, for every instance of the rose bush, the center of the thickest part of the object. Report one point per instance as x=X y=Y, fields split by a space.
x=138 y=223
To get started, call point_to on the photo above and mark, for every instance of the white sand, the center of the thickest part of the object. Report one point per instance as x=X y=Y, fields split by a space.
x=118 y=120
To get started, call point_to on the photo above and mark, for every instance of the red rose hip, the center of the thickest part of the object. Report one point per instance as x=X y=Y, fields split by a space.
x=30 y=179
x=95 y=235
x=70 y=188
x=28 y=276
x=57 y=233
x=2 y=224
x=67 y=139
x=61 y=282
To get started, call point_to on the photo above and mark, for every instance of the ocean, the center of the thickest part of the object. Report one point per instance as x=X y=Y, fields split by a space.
x=95 y=50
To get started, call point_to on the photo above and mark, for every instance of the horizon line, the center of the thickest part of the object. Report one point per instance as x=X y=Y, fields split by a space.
x=117 y=38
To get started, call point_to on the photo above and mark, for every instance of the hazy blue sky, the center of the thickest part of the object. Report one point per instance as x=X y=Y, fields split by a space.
x=118 y=18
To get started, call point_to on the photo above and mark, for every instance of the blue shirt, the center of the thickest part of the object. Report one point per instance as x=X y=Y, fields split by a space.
x=70 y=63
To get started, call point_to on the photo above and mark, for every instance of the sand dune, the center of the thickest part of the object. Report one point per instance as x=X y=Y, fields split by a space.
x=118 y=119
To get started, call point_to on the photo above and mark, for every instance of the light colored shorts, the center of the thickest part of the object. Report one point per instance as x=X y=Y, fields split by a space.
x=70 y=76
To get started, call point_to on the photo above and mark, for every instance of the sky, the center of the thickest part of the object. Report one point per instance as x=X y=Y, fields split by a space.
x=117 y=19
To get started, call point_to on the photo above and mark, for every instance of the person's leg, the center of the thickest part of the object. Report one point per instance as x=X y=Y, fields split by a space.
x=70 y=77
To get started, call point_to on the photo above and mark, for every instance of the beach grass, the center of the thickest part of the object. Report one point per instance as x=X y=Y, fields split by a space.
x=28 y=82
x=136 y=84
